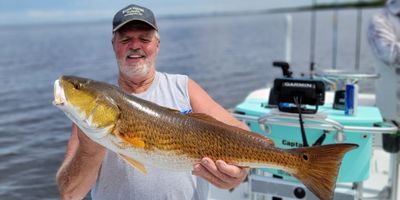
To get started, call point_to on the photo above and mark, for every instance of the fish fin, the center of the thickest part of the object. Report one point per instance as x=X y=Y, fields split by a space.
x=130 y=140
x=203 y=116
x=214 y=121
x=138 y=142
x=173 y=110
x=135 y=141
x=321 y=167
x=134 y=163
x=258 y=136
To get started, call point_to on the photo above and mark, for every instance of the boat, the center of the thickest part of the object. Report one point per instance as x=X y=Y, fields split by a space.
x=369 y=172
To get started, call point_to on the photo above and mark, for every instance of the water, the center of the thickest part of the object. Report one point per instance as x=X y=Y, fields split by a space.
x=228 y=55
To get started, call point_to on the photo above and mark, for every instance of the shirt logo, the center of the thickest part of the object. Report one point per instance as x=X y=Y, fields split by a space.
x=185 y=112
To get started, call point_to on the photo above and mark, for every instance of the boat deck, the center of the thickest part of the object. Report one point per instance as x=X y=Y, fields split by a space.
x=372 y=187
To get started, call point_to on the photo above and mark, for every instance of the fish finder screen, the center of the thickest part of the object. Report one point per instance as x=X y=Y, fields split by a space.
x=311 y=92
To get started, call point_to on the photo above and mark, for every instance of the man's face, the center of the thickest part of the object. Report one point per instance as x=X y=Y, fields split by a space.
x=136 y=49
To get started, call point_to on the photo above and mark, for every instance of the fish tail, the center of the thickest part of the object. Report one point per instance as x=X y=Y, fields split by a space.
x=321 y=167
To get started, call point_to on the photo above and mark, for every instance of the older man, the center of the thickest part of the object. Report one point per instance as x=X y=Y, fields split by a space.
x=89 y=166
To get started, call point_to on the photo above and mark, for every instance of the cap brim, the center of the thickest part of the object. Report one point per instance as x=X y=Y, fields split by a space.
x=122 y=24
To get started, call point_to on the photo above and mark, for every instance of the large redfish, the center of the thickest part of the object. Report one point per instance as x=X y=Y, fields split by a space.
x=144 y=133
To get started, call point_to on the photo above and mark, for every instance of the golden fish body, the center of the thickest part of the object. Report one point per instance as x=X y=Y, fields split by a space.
x=144 y=133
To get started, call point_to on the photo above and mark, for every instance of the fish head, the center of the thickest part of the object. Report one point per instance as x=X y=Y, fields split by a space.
x=87 y=103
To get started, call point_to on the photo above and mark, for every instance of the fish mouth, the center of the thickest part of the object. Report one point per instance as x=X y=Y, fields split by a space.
x=59 y=95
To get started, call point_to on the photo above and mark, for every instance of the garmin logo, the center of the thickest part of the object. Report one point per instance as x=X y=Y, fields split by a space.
x=133 y=11
x=299 y=85
x=291 y=144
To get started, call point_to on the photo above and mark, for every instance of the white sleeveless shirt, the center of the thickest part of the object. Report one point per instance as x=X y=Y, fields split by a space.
x=119 y=181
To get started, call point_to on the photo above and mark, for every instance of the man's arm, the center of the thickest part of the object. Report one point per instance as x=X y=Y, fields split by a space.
x=80 y=167
x=218 y=173
x=201 y=102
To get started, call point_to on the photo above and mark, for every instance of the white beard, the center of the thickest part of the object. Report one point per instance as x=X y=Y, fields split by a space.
x=135 y=71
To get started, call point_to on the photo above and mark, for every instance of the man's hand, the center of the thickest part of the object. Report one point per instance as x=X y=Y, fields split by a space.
x=219 y=173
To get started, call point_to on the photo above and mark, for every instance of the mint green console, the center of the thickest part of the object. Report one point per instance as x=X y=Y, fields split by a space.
x=356 y=164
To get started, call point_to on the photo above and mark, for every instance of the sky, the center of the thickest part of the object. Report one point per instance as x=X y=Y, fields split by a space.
x=51 y=11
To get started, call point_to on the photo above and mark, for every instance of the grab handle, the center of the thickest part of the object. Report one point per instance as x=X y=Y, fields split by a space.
x=315 y=121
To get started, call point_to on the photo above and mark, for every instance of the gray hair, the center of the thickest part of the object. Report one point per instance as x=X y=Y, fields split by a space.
x=156 y=34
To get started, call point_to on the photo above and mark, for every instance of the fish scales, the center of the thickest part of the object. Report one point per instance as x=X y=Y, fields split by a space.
x=214 y=143
x=160 y=133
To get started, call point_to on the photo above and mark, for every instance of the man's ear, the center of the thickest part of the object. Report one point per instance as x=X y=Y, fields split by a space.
x=114 y=34
x=112 y=41
x=158 y=46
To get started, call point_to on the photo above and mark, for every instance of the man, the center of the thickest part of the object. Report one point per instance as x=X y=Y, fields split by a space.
x=89 y=166
x=384 y=39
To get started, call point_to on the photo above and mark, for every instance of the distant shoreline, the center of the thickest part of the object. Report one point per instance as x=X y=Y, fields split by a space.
x=188 y=16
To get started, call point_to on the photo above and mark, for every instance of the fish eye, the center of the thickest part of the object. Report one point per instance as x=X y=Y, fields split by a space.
x=77 y=86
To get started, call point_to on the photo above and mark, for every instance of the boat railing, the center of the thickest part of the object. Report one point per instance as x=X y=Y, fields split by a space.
x=315 y=121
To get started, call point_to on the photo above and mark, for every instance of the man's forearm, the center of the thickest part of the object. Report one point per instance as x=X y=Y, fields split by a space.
x=76 y=176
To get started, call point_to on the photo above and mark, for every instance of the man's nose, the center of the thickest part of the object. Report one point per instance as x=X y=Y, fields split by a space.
x=134 y=44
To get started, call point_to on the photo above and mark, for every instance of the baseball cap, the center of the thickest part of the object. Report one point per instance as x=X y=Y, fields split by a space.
x=134 y=13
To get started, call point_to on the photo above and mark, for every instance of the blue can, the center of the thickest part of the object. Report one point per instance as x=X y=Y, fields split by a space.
x=351 y=99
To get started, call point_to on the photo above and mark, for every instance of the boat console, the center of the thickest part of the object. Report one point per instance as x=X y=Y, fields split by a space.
x=290 y=123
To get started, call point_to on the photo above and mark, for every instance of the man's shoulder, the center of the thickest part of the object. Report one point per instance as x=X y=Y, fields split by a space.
x=171 y=76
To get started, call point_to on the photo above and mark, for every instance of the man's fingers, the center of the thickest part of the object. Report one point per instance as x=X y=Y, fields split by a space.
x=220 y=173
x=214 y=170
x=201 y=171
x=230 y=170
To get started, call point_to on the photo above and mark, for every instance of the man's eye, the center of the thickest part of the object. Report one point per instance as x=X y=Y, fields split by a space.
x=145 y=40
x=124 y=41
